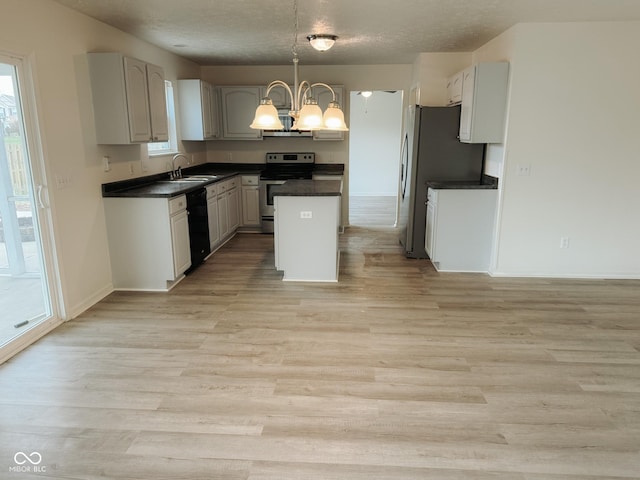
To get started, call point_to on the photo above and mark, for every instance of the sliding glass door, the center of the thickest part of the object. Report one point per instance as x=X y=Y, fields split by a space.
x=25 y=286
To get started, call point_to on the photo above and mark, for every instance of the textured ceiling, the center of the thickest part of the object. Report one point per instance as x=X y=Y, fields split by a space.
x=261 y=32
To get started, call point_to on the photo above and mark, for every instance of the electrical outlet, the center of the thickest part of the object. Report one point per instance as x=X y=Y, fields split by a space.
x=306 y=214
x=143 y=165
x=524 y=170
x=564 y=242
x=229 y=157
x=106 y=163
x=62 y=181
x=131 y=171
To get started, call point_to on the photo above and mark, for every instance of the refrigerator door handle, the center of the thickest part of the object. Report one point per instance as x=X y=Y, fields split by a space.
x=405 y=160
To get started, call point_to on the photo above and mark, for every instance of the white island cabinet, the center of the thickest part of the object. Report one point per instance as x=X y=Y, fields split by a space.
x=148 y=241
x=306 y=227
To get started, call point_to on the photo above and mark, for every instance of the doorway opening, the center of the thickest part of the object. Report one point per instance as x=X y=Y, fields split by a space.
x=375 y=123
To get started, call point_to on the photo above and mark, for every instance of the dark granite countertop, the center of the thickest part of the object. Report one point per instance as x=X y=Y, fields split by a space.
x=487 y=183
x=159 y=186
x=329 y=169
x=308 y=188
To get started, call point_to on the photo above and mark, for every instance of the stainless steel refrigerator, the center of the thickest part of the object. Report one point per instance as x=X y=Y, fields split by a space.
x=431 y=151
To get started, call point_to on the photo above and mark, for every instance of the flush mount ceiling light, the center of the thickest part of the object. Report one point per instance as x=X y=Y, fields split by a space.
x=304 y=108
x=322 y=43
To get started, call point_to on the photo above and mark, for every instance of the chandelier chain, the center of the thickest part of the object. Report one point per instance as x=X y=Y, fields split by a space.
x=294 y=48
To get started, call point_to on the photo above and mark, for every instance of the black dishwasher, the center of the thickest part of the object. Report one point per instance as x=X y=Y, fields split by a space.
x=198 y=226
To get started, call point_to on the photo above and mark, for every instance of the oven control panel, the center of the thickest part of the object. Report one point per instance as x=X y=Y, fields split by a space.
x=291 y=157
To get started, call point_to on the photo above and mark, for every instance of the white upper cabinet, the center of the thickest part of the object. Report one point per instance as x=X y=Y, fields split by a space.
x=129 y=102
x=238 y=109
x=198 y=109
x=157 y=103
x=324 y=96
x=484 y=101
x=454 y=89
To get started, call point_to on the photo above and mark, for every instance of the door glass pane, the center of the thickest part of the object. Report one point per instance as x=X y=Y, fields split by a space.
x=24 y=301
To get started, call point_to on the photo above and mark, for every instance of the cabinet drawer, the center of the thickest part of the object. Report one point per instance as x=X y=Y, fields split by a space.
x=177 y=204
x=232 y=183
x=212 y=190
x=250 y=180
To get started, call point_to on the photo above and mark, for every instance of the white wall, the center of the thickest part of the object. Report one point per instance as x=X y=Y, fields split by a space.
x=573 y=118
x=55 y=39
x=430 y=73
x=374 y=149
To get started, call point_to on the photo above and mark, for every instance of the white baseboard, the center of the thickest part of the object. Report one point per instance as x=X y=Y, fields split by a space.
x=90 y=301
x=567 y=276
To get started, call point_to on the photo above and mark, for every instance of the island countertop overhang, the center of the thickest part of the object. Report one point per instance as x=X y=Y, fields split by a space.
x=308 y=188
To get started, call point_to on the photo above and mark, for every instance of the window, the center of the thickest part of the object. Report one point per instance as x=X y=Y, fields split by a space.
x=163 y=148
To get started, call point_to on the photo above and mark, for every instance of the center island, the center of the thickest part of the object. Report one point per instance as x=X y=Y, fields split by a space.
x=306 y=229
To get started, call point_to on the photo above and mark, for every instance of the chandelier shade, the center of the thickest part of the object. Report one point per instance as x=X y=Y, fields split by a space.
x=334 y=118
x=266 y=117
x=310 y=117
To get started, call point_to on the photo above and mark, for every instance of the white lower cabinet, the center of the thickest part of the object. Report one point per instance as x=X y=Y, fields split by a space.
x=223 y=218
x=148 y=241
x=460 y=225
x=228 y=203
x=233 y=206
x=250 y=201
x=212 y=212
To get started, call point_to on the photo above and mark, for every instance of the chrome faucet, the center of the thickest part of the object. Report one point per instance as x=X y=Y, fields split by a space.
x=177 y=173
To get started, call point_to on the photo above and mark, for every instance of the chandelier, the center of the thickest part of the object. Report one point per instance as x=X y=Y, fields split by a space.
x=305 y=111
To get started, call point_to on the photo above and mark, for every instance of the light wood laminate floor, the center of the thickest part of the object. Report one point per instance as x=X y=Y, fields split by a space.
x=397 y=372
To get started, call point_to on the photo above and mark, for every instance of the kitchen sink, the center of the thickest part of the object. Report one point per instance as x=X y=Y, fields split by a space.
x=191 y=179
x=202 y=177
x=185 y=180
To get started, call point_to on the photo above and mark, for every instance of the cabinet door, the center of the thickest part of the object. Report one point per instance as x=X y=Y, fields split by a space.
x=214 y=227
x=223 y=216
x=430 y=231
x=324 y=96
x=157 y=104
x=137 y=100
x=466 y=111
x=238 y=109
x=180 y=241
x=250 y=206
x=233 y=209
x=209 y=111
x=454 y=88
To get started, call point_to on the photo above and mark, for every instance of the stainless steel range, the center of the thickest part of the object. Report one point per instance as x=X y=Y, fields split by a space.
x=280 y=168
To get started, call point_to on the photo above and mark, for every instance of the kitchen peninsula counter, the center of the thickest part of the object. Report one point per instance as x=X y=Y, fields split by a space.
x=306 y=229
x=308 y=188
